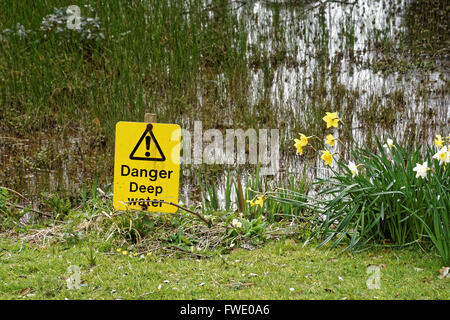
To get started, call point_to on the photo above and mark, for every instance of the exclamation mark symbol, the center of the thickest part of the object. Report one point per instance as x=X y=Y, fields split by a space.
x=147 y=144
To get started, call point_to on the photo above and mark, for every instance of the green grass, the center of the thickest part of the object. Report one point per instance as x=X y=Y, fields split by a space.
x=265 y=273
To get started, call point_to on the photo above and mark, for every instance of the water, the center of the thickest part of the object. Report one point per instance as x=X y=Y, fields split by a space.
x=327 y=50
x=304 y=58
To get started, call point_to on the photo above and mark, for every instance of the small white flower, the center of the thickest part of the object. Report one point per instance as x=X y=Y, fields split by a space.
x=442 y=155
x=291 y=289
x=421 y=170
x=353 y=168
x=236 y=223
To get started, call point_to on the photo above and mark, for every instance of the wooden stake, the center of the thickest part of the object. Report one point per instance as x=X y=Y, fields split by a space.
x=150 y=117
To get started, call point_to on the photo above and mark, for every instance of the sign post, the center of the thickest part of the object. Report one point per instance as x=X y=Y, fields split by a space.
x=147 y=166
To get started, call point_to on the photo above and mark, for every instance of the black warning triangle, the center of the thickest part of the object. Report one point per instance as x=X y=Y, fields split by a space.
x=152 y=137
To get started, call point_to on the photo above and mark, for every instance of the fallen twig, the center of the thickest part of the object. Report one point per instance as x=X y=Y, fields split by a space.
x=33 y=210
x=208 y=223
x=15 y=192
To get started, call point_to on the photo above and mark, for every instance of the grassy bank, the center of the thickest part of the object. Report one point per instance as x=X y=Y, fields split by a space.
x=270 y=272
x=137 y=255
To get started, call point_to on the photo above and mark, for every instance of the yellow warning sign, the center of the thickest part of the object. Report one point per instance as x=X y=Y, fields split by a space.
x=146 y=166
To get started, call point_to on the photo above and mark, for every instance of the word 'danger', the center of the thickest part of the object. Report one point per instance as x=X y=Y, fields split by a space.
x=146 y=166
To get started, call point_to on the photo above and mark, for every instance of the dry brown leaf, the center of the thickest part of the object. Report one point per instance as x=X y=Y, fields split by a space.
x=427 y=281
x=96 y=122
x=24 y=291
x=85 y=225
x=290 y=242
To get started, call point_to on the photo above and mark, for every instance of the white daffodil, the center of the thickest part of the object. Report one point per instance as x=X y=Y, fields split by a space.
x=353 y=168
x=389 y=143
x=421 y=170
x=442 y=155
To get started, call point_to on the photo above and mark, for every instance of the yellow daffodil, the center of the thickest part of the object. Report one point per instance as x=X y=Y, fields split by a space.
x=303 y=140
x=258 y=201
x=438 y=141
x=330 y=140
x=124 y=253
x=300 y=143
x=327 y=157
x=331 y=119
x=298 y=146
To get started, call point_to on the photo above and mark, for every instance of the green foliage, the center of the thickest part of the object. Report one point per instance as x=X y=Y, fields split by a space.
x=10 y=212
x=131 y=227
x=385 y=201
x=209 y=194
x=71 y=236
x=276 y=205
x=289 y=201
x=8 y=216
x=91 y=255
x=180 y=240
x=253 y=230
x=438 y=225
x=58 y=206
